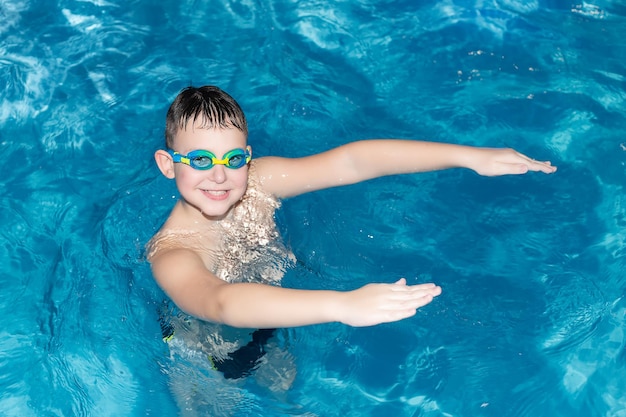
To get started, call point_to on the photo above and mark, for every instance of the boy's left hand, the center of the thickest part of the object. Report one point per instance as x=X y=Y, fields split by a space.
x=492 y=162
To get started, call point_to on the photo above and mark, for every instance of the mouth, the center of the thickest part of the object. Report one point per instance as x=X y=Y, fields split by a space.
x=216 y=194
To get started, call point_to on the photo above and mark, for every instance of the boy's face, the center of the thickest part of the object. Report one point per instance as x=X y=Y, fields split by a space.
x=214 y=191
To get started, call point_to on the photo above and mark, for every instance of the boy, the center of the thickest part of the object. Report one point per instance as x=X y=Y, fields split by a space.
x=219 y=249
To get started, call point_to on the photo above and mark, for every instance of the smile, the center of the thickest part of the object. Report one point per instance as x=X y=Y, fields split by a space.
x=216 y=194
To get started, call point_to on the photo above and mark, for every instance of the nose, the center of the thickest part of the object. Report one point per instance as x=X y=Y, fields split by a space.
x=218 y=174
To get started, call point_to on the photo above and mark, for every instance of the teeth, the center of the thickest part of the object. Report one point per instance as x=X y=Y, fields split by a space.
x=215 y=192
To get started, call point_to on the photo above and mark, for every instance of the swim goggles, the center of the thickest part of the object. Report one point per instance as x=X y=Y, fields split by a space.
x=204 y=160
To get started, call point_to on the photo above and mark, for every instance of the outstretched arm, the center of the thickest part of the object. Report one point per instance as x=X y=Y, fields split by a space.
x=362 y=160
x=195 y=290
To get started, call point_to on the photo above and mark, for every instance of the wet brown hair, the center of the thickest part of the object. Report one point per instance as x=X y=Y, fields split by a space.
x=209 y=106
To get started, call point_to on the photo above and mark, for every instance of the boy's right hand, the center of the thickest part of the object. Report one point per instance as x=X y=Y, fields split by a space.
x=383 y=303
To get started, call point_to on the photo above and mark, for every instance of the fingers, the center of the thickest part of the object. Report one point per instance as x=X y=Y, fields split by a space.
x=408 y=309
x=418 y=298
x=400 y=286
x=517 y=167
x=545 y=167
x=411 y=297
x=534 y=165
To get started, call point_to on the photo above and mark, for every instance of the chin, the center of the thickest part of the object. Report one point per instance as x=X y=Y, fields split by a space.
x=218 y=212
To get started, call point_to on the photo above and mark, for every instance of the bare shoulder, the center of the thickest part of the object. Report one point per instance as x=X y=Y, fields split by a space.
x=183 y=275
x=174 y=247
x=288 y=177
x=267 y=169
x=266 y=166
x=174 y=261
x=181 y=257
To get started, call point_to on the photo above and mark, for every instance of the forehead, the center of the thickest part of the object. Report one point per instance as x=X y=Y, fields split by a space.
x=194 y=136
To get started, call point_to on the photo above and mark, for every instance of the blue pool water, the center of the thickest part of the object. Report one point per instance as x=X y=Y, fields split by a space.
x=532 y=317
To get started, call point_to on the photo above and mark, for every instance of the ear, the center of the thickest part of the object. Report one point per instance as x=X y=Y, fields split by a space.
x=165 y=163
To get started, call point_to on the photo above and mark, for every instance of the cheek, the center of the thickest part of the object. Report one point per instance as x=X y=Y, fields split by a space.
x=241 y=179
x=185 y=177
